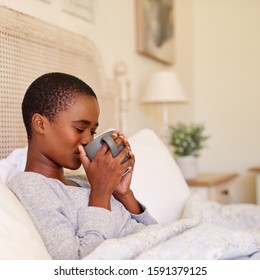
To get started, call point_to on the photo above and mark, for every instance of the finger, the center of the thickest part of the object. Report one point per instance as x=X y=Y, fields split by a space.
x=131 y=154
x=118 y=139
x=128 y=170
x=116 y=134
x=83 y=157
x=123 y=137
x=129 y=167
x=126 y=143
x=104 y=149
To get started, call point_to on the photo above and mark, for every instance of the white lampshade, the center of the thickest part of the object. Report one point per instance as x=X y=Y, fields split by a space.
x=164 y=87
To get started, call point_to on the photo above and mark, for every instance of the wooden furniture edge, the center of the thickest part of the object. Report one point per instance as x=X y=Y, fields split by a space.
x=210 y=179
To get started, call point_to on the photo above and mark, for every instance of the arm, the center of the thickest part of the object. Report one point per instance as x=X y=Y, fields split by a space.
x=129 y=201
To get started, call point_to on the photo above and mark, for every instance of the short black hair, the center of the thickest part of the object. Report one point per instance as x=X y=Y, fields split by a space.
x=51 y=94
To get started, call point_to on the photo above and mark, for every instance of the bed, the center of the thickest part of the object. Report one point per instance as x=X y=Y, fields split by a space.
x=188 y=226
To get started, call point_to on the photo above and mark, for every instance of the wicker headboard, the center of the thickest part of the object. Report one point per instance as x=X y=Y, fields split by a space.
x=30 y=48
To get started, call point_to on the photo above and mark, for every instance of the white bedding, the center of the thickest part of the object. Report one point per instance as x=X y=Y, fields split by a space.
x=206 y=230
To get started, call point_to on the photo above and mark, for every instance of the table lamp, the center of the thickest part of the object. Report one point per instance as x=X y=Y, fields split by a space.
x=164 y=88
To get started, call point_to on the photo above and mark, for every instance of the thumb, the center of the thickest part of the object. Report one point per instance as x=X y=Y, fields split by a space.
x=83 y=157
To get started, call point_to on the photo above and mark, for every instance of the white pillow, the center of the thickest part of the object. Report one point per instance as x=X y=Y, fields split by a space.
x=14 y=163
x=19 y=238
x=157 y=180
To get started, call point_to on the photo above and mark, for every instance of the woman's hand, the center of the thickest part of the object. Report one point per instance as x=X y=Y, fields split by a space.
x=105 y=172
x=122 y=192
x=124 y=185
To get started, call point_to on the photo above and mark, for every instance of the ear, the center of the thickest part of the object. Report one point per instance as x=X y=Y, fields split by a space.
x=39 y=123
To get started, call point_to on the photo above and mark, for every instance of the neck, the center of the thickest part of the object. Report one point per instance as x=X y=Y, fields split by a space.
x=39 y=163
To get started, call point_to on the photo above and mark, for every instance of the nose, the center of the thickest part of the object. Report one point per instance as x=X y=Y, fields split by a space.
x=88 y=137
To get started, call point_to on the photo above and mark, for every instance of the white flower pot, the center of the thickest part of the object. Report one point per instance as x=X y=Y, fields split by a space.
x=188 y=166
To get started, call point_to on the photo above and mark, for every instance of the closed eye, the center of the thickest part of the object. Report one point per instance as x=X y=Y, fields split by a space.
x=79 y=130
x=93 y=132
x=82 y=125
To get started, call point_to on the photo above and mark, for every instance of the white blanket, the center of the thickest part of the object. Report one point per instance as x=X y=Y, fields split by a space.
x=207 y=230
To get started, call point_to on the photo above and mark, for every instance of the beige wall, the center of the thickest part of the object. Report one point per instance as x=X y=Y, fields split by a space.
x=226 y=84
x=217 y=57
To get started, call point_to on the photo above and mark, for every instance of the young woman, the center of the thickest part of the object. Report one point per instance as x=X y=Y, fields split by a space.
x=60 y=113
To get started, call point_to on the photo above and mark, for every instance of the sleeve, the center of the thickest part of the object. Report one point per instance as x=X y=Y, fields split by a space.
x=97 y=225
x=64 y=241
x=145 y=217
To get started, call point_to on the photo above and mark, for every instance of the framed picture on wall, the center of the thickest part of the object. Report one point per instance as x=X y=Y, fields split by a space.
x=154 y=24
x=79 y=8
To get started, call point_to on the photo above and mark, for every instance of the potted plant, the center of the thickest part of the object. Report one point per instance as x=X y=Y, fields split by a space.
x=187 y=141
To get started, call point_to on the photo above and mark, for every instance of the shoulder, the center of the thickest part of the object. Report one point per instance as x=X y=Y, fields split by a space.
x=29 y=182
x=26 y=177
x=34 y=184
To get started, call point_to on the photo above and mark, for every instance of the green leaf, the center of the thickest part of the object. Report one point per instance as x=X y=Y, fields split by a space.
x=188 y=139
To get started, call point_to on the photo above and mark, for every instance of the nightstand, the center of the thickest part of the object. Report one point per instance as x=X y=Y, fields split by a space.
x=214 y=186
x=256 y=170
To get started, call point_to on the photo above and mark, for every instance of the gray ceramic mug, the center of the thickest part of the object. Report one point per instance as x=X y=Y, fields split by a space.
x=92 y=147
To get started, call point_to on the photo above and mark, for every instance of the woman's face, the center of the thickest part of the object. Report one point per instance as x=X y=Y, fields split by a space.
x=73 y=127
